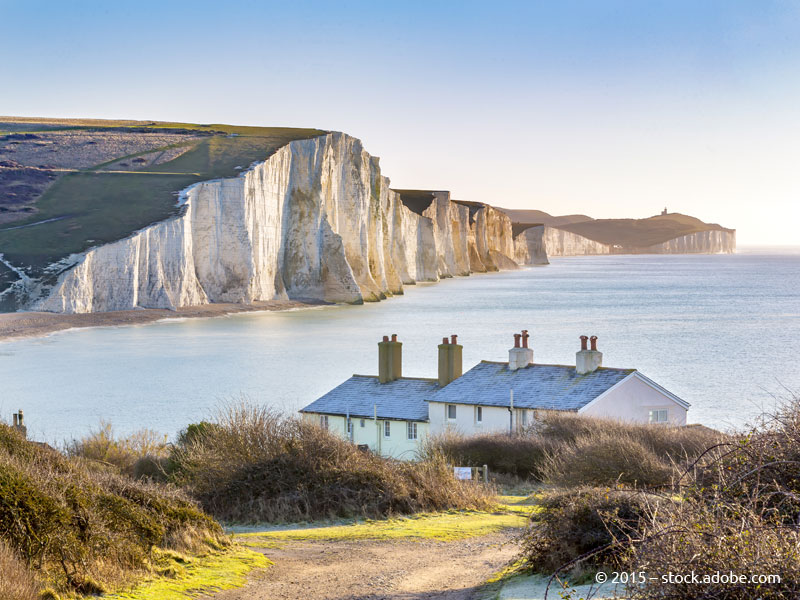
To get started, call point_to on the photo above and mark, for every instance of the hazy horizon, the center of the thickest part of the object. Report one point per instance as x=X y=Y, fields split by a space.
x=612 y=109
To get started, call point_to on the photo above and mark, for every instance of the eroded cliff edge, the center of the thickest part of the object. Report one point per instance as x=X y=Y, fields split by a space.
x=317 y=220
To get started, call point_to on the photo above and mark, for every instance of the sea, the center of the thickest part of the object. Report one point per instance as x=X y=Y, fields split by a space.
x=720 y=331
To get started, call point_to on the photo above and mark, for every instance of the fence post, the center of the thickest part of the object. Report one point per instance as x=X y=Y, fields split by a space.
x=485 y=474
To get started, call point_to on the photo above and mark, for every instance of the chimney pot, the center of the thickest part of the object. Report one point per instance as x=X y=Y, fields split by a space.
x=394 y=337
x=593 y=340
x=584 y=341
x=525 y=337
x=450 y=360
x=517 y=336
x=16 y=421
x=386 y=338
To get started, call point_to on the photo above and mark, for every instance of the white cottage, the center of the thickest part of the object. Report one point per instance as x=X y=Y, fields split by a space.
x=391 y=414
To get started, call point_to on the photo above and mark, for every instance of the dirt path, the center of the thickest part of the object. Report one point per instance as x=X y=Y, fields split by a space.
x=378 y=570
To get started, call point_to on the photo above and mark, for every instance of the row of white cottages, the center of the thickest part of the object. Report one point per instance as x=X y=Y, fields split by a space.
x=391 y=414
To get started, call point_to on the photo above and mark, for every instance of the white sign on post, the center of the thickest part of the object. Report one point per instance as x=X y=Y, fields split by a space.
x=462 y=472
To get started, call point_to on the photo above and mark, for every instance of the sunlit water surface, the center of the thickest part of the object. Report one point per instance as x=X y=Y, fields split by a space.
x=722 y=332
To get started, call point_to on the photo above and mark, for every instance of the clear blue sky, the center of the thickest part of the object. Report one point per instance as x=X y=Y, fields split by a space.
x=607 y=108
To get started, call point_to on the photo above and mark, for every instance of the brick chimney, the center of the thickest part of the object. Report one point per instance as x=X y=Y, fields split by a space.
x=19 y=423
x=450 y=360
x=390 y=359
x=520 y=355
x=586 y=360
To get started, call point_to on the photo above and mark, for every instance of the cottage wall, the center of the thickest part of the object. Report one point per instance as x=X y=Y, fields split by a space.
x=397 y=445
x=495 y=419
x=632 y=400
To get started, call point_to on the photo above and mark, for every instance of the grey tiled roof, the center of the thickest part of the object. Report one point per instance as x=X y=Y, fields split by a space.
x=535 y=386
x=404 y=399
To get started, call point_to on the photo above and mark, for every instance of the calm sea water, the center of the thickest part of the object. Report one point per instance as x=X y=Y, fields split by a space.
x=722 y=332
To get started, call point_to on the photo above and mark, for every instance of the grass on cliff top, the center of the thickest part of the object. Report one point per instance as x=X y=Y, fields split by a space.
x=89 y=207
x=511 y=512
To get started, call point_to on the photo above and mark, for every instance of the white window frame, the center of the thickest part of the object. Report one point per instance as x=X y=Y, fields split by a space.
x=387 y=429
x=455 y=412
x=478 y=415
x=655 y=415
x=411 y=430
x=323 y=421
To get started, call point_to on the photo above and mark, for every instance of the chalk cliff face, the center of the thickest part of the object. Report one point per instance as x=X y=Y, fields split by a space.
x=702 y=242
x=529 y=247
x=559 y=242
x=316 y=220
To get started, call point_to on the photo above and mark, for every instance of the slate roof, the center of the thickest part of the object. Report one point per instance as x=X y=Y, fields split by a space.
x=554 y=387
x=404 y=399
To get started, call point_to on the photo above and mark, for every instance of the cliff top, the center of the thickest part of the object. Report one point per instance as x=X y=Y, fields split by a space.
x=68 y=184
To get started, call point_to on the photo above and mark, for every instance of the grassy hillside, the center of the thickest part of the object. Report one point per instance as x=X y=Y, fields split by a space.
x=630 y=233
x=637 y=233
x=542 y=218
x=110 y=178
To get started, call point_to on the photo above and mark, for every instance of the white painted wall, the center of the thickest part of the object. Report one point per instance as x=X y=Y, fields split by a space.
x=495 y=419
x=632 y=400
x=397 y=445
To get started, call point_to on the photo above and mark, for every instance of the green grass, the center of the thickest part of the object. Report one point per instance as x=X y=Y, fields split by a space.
x=95 y=208
x=184 y=577
x=513 y=511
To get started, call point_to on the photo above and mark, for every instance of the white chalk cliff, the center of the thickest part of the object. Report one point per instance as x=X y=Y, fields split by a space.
x=316 y=220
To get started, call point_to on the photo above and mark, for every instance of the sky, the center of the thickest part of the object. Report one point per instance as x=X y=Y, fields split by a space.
x=607 y=108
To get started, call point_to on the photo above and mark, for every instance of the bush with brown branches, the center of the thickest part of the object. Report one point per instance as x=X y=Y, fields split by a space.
x=253 y=464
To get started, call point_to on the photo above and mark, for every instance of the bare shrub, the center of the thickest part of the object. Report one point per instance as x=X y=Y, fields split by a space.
x=516 y=455
x=574 y=450
x=253 y=464
x=741 y=515
x=17 y=582
x=104 y=447
x=583 y=529
x=605 y=458
x=82 y=529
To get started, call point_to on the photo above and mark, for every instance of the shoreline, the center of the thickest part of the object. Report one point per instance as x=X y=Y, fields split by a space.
x=20 y=325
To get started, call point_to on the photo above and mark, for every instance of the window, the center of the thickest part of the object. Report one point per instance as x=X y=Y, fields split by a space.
x=412 y=430
x=349 y=425
x=524 y=419
x=323 y=421
x=479 y=414
x=659 y=415
x=451 y=411
x=363 y=422
x=387 y=429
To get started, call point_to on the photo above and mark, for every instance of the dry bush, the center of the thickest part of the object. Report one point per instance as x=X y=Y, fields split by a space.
x=255 y=465
x=17 y=582
x=134 y=455
x=575 y=450
x=741 y=515
x=604 y=458
x=584 y=528
x=696 y=536
x=515 y=455
x=85 y=530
